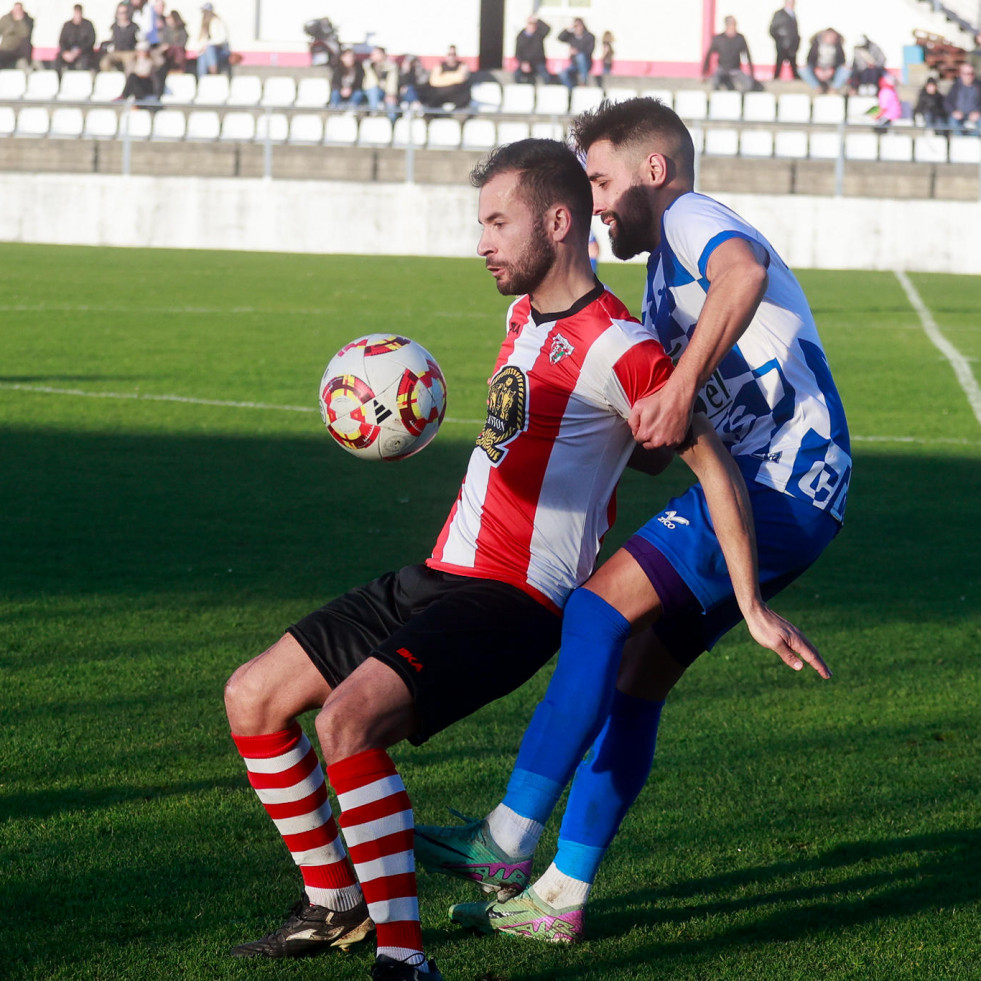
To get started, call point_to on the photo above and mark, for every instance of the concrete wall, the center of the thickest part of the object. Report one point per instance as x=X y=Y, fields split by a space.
x=440 y=220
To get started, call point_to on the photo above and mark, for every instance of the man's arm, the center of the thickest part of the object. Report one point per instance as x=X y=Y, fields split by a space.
x=749 y=58
x=732 y=518
x=737 y=284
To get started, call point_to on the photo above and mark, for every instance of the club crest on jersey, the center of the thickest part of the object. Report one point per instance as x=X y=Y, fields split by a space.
x=671 y=520
x=506 y=404
x=560 y=349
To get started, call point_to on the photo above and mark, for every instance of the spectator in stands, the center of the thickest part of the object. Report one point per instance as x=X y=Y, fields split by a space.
x=930 y=109
x=212 y=43
x=412 y=77
x=529 y=51
x=868 y=66
x=606 y=56
x=121 y=48
x=730 y=48
x=16 y=28
x=173 y=44
x=347 y=82
x=144 y=16
x=581 y=44
x=890 y=107
x=963 y=101
x=141 y=83
x=76 y=43
x=786 y=37
x=381 y=82
x=826 y=69
x=448 y=85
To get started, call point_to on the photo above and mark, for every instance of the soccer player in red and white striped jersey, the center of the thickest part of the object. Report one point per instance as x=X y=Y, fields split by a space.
x=416 y=650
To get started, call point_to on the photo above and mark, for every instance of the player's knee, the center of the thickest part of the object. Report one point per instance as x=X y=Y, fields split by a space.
x=245 y=698
x=343 y=733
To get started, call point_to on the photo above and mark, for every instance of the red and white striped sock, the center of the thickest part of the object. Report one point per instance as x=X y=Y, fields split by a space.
x=376 y=817
x=285 y=772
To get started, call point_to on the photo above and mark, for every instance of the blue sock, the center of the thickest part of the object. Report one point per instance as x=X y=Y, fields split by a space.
x=578 y=700
x=607 y=783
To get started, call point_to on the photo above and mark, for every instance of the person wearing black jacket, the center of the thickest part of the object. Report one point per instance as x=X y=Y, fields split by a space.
x=76 y=44
x=930 y=109
x=581 y=43
x=730 y=48
x=529 y=52
x=786 y=36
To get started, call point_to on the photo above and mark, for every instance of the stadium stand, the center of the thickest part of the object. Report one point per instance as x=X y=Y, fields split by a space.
x=203 y=124
x=312 y=92
x=108 y=86
x=101 y=124
x=243 y=90
x=796 y=140
x=67 y=123
x=42 y=86
x=726 y=106
x=212 y=90
x=306 y=128
x=375 y=131
x=518 y=99
x=759 y=107
x=75 y=87
x=237 y=126
x=551 y=99
x=478 y=134
x=169 y=124
x=32 y=121
x=279 y=92
x=486 y=96
x=691 y=104
x=272 y=126
x=13 y=84
x=179 y=89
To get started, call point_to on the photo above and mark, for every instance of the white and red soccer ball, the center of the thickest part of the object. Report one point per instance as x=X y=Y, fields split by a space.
x=382 y=397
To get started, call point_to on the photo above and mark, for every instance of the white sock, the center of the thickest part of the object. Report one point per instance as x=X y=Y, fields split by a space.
x=515 y=835
x=560 y=890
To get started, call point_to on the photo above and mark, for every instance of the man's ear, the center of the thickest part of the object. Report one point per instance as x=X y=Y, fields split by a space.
x=558 y=222
x=657 y=169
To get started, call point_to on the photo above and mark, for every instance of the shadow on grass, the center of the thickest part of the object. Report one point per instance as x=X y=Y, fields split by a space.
x=81 y=799
x=142 y=514
x=861 y=883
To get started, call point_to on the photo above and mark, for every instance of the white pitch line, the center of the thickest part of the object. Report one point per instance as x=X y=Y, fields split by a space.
x=184 y=399
x=188 y=400
x=962 y=370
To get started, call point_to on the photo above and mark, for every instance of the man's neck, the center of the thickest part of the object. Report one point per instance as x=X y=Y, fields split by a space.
x=560 y=290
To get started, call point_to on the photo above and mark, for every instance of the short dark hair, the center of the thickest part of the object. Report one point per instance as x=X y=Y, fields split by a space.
x=639 y=123
x=549 y=173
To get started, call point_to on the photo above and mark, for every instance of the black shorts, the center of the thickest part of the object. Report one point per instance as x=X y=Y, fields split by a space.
x=457 y=642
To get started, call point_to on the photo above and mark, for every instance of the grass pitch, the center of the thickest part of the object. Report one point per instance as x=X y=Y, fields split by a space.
x=168 y=504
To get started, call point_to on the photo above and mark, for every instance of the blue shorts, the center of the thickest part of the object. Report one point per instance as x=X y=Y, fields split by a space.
x=681 y=556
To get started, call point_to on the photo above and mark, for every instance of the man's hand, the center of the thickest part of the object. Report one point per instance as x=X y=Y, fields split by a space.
x=771 y=630
x=662 y=419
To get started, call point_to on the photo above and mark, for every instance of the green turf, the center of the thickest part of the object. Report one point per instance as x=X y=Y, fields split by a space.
x=794 y=829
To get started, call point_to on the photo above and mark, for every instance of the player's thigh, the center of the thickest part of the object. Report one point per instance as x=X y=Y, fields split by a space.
x=647 y=668
x=623 y=583
x=478 y=642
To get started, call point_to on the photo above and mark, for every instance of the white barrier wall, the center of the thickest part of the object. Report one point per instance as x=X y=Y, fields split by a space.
x=440 y=220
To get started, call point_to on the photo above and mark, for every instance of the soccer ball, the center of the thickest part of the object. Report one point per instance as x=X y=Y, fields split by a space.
x=382 y=397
